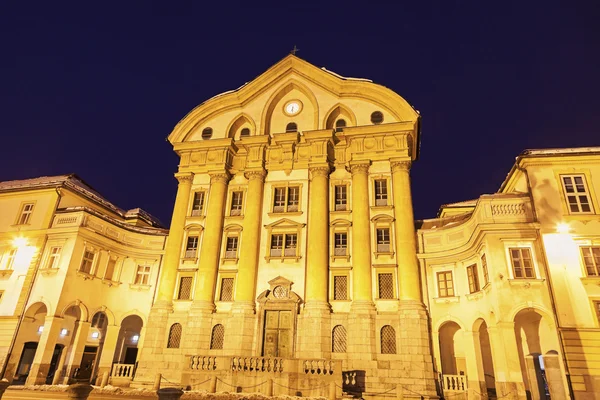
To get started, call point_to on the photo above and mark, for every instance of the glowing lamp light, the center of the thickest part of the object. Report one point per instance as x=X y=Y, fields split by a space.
x=95 y=335
x=563 y=227
x=41 y=329
x=64 y=332
x=135 y=338
x=20 y=242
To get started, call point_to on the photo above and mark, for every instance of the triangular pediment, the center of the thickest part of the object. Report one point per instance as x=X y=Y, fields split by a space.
x=285 y=223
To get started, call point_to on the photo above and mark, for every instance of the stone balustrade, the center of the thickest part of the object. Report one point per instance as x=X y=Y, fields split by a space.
x=453 y=383
x=122 y=371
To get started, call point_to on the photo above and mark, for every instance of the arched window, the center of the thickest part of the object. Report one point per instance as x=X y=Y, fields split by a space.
x=340 y=124
x=338 y=339
x=245 y=132
x=174 y=336
x=217 y=337
x=377 y=117
x=388 y=340
x=207 y=133
x=99 y=320
x=291 y=127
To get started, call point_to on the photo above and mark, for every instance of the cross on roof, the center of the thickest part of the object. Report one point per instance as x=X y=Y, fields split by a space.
x=295 y=50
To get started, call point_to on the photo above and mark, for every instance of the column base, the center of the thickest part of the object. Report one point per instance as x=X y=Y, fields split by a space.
x=241 y=329
x=363 y=307
x=38 y=374
x=511 y=390
x=314 y=330
x=202 y=307
x=243 y=307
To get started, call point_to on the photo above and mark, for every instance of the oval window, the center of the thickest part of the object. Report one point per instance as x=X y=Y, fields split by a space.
x=377 y=117
x=206 y=133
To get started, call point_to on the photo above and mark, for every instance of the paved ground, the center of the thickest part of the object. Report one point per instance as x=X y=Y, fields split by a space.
x=39 y=395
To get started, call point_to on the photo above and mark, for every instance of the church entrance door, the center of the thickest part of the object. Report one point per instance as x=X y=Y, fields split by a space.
x=278 y=334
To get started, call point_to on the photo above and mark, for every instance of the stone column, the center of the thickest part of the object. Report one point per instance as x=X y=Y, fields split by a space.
x=534 y=375
x=555 y=376
x=77 y=346
x=43 y=355
x=477 y=388
x=243 y=316
x=505 y=356
x=108 y=349
x=404 y=224
x=315 y=335
x=168 y=276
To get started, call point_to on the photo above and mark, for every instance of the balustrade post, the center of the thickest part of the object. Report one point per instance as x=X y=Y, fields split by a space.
x=157 y=380
x=105 y=377
x=332 y=390
x=269 y=391
x=213 y=384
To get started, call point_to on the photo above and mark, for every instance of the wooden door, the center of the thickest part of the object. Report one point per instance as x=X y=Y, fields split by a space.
x=278 y=334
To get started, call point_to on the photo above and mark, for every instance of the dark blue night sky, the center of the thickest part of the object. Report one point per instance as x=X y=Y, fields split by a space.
x=95 y=87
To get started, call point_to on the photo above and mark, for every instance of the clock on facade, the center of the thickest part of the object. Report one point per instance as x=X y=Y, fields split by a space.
x=292 y=107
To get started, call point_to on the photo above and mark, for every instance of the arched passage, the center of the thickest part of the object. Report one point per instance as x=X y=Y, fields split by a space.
x=129 y=337
x=26 y=344
x=451 y=349
x=484 y=356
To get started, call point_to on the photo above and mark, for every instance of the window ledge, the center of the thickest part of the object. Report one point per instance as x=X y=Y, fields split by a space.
x=20 y=225
x=486 y=288
x=85 y=275
x=48 y=271
x=382 y=208
x=196 y=217
x=234 y=216
x=139 y=287
x=282 y=259
x=447 y=300
x=182 y=300
x=591 y=280
x=230 y=260
x=188 y=269
x=194 y=259
x=283 y=214
x=387 y=253
x=5 y=273
x=525 y=282
x=110 y=282
x=475 y=295
x=341 y=212
x=346 y=258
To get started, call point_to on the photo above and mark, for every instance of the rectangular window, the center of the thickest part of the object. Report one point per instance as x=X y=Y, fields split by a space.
x=484 y=267
x=381 y=195
x=191 y=248
x=340 y=287
x=10 y=259
x=591 y=260
x=383 y=240
x=521 y=263
x=386 y=285
x=276 y=245
x=231 y=247
x=236 y=203
x=445 y=284
x=110 y=269
x=198 y=204
x=291 y=241
x=226 y=289
x=142 y=276
x=341 y=244
x=53 y=257
x=341 y=197
x=284 y=245
x=87 y=262
x=576 y=193
x=185 y=288
x=25 y=215
x=286 y=199
x=473 y=278
x=597 y=309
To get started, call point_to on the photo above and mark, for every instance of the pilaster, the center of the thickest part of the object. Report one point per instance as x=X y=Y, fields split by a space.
x=76 y=350
x=505 y=356
x=109 y=346
x=43 y=355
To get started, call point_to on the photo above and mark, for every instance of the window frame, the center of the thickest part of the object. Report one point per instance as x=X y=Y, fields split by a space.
x=22 y=212
x=511 y=265
x=375 y=281
x=94 y=260
x=200 y=213
x=219 y=287
x=596 y=309
x=177 y=293
x=231 y=231
x=286 y=187
x=485 y=269
x=596 y=263
x=137 y=273
x=473 y=278
x=53 y=260
x=186 y=252
x=345 y=207
x=230 y=212
x=114 y=272
x=587 y=192
x=380 y=222
x=9 y=259
x=439 y=289
x=340 y=274
x=340 y=226
x=284 y=227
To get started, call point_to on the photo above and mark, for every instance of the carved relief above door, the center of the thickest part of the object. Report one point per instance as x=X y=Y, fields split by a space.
x=278 y=311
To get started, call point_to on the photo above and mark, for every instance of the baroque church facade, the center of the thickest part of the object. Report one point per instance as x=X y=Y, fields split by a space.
x=294 y=265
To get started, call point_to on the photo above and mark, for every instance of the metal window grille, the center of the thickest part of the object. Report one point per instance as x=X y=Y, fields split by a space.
x=484 y=267
x=198 y=203
x=291 y=242
x=381 y=195
x=25 y=214
x=218 y=337
x=185 y=288
x=174 y=336
x=591 y=259
x=576 y=193
x=87 y=262
x=386 y=285
x=445 y=284
x=236 y=203
x=54 y=256
x=279 y=200
x=340 y=244
x=383 y=240
x=231 y=247
x=473 y=278
x=522 y=263
x=338 y=339
x=226 y=289
x=276 y=245
x=388 y=340
x=341 y=197
x=340 y=288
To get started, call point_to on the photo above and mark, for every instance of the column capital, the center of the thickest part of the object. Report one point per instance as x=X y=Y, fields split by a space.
x=321 y=170
x=359 y=168
x=219 y=177
x=256 y=175
x=397 y=165
x=185 y=178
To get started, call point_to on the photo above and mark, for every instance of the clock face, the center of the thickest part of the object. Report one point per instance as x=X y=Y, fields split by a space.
x=292 y=108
